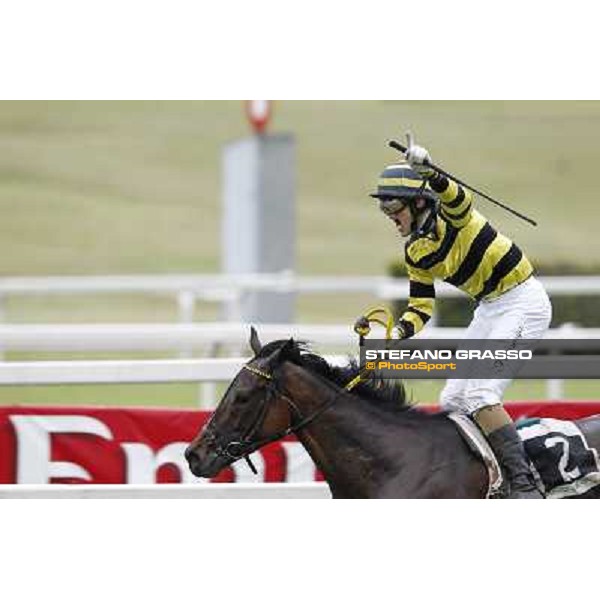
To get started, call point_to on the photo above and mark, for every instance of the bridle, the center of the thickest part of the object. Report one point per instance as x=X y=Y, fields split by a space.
x=244 y=446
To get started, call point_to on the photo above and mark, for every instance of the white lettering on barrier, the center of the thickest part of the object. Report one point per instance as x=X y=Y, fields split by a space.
x=242 y=471
x=299 y=465
x=141 y=463
x=33 y=445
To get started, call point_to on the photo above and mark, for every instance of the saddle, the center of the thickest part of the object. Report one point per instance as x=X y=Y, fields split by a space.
x=480 y=446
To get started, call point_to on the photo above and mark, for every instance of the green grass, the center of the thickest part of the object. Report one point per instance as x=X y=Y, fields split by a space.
x=188 y=395
x=122 y=187
x=134 y=187
x=427 y=392
x=181 y=395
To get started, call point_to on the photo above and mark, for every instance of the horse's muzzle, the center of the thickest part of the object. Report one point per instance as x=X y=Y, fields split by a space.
x=204 y=464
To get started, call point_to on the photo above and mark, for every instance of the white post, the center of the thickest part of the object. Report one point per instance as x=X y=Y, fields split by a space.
x=207 y=395
x=258 y=226
x=555 y=389
x=186 y=301
x=2 y=315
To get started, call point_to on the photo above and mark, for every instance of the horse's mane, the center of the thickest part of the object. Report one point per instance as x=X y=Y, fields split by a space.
x=387 y=394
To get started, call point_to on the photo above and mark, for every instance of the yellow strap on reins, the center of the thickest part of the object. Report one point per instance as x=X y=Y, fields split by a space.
x=353 y=382
x=389 y=319
x=371 y=316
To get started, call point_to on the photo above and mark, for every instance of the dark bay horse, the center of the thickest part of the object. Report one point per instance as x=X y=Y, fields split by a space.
x=368 y=443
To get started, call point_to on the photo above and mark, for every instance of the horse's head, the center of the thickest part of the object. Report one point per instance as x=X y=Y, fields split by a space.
x=249 y=415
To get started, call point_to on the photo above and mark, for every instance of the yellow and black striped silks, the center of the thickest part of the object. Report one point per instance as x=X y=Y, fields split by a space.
x=464 y=250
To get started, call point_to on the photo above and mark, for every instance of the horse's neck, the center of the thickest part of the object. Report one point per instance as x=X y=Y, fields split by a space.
x=343 y=440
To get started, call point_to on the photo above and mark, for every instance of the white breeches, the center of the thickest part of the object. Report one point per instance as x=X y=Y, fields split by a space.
x=523 y=312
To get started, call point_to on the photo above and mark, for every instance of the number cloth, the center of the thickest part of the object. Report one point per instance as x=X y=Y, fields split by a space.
x=563 y=462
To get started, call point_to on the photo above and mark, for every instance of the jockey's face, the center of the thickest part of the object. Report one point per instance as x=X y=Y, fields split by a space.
x=399 y=212
x=403 y=220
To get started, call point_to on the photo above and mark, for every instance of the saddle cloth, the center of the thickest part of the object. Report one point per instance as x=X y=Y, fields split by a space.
x=563 y=463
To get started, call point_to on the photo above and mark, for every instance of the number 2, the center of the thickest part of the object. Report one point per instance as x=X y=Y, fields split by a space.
x=562 y=463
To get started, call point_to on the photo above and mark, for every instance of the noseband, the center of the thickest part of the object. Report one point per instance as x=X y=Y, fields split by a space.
x=243 y=447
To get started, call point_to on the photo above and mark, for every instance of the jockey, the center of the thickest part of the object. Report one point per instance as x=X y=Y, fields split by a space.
x=448 y=239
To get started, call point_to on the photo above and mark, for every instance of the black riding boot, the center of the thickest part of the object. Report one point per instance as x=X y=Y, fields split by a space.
x=509 y=450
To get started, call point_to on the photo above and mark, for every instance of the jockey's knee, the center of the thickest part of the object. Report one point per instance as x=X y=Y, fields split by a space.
x=453 y=395
x=478 y=398
x=466 y=396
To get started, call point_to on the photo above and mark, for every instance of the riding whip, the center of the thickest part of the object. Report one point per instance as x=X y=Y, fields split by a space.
x=403 y=149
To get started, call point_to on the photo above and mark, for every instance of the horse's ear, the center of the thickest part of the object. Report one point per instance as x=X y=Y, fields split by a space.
x=254 y=341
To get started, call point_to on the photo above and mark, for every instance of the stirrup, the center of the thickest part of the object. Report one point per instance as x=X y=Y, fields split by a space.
x=525 y=492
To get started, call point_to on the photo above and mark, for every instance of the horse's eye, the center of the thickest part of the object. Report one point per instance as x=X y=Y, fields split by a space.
x=243 y=397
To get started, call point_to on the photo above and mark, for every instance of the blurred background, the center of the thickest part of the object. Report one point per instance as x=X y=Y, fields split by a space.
x=136 y=188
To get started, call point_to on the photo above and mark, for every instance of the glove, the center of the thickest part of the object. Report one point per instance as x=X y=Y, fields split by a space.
x=400 y=333
x=418 y=158
x=361 y=326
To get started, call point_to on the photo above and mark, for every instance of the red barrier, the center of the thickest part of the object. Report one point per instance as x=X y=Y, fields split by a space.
x=123 y=445
x=565 y=409
x=145 y=445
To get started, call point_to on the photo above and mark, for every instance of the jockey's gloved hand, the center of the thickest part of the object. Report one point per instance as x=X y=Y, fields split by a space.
x=398 y=333
x=361 y=326
x=418 y=158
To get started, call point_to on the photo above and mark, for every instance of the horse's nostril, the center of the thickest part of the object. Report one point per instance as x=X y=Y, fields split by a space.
x=189 y=452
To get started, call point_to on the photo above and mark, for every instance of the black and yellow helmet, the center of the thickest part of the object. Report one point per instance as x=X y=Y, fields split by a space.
x=399 y=186
x=400 y=181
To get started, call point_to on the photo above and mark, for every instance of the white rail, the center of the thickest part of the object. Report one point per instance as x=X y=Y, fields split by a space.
x=230 y=288
x=168 y=337
x=216 y=284
x=118 y=371
x=57 y=372
x=205 y=371
x=160 y=337
x=238 y=491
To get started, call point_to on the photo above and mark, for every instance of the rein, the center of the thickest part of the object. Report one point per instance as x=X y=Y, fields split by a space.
x=242 y=448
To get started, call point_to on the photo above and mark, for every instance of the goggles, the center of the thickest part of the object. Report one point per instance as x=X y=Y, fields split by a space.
x=392 y=206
